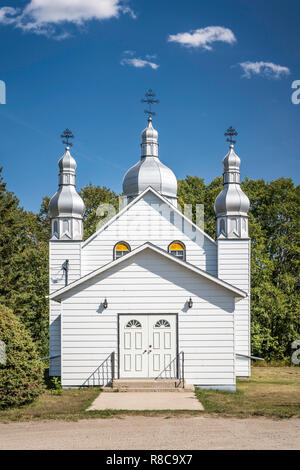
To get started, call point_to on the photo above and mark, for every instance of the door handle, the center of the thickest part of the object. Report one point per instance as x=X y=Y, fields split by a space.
x=145 y=351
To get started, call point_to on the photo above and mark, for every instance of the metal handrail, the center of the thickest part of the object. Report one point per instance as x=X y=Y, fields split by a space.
x=49 y=357
x=250 y=357
x=174 y=370
x=104 y=374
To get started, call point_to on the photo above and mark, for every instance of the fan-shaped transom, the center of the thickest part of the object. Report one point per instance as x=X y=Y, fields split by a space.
x=133 y=324
x=162 y=324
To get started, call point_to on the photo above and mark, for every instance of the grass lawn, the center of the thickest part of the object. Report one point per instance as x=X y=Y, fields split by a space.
x=271 y=391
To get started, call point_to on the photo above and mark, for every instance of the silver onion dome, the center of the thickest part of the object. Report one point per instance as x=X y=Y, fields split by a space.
x=150 y=171
x=66 y=206
x=232 y=204
x=231 y=199
x=66 y=201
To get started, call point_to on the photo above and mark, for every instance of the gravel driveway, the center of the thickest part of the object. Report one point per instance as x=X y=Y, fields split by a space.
x=140 y=432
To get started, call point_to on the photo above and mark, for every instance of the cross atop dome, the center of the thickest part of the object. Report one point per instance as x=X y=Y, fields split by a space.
x=150 y=100
x=229 y=134
x=150 y=171
x=66 y=136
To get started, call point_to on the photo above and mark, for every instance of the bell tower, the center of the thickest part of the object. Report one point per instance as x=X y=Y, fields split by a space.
x=232 y=204
x=66 y=206
x=231 y=208
x=66 y=213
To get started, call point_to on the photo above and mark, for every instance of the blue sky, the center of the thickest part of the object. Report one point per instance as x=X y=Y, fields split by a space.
x=76 y=74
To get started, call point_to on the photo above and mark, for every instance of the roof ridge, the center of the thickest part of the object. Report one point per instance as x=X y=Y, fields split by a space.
x=134 y=201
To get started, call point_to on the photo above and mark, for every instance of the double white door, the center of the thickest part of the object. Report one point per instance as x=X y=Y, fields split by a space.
x=147 y=344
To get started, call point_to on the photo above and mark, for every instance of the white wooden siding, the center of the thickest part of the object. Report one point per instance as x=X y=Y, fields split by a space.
x=59 y=251
x=234 y=267
x=150 y=220
x=150 y=283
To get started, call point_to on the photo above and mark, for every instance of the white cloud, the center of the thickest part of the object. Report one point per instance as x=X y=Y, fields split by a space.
x=267 y=69
x=204 y=37
x=7 y=15
x=129 y=52
x=151 y=56
x=43 y=16
x=139 y=63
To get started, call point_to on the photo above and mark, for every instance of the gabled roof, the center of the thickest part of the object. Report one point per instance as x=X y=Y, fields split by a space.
x=140 y=196
x=57 y=295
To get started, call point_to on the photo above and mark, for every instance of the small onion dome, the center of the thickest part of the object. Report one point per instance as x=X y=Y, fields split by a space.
x=231 y=161
x=150 y=171
x=66 y=202
x=231 y=200
x=67 y=162
x=149 y=132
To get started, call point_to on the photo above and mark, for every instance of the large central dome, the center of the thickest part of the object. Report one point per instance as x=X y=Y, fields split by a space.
x=150 y=171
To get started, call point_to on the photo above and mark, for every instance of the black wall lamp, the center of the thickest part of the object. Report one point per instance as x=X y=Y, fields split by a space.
x=65 y=267
x=190 y=303
x=105 y=303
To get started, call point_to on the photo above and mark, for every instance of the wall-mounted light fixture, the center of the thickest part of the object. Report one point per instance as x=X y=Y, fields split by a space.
x=190 y=302
x=105 y=303
x=65 y=267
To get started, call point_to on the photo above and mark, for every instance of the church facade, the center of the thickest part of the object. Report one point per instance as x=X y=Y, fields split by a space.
x=150 y=294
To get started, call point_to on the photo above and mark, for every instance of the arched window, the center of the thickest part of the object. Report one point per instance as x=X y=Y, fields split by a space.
x=177 y=249
x=222 y=227
x=133 y=324
x=121 y=249
x=55 y=228
x=162 y=324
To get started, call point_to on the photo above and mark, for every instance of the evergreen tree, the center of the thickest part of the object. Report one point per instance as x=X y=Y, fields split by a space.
x=21 y=371
x=24 y=266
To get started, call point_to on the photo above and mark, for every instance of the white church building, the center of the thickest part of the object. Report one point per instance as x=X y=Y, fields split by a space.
x=150 y=295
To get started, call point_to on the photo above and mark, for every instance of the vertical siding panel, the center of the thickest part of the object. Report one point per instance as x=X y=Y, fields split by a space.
x=234 y=267
x=59 y=251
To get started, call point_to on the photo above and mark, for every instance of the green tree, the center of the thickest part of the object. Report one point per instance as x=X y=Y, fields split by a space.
x=21 y=374
x=93 y=197
x=192 y=190
x=24 y=266
x=211 y=192
x=274 y=225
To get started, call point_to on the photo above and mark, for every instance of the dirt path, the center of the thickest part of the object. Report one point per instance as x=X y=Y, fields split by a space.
x=138 y=432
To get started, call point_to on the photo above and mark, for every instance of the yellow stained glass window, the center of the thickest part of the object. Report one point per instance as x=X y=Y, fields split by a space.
x=121 y=249
x=177 y=249
x=176 y=246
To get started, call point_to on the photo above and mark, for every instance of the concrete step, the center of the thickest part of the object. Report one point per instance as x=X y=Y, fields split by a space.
x=188 y=388
x=147 y=385
x=145 y=382
x=147 y=390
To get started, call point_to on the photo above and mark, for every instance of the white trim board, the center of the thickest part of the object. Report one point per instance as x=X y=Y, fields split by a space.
x=57 y=295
